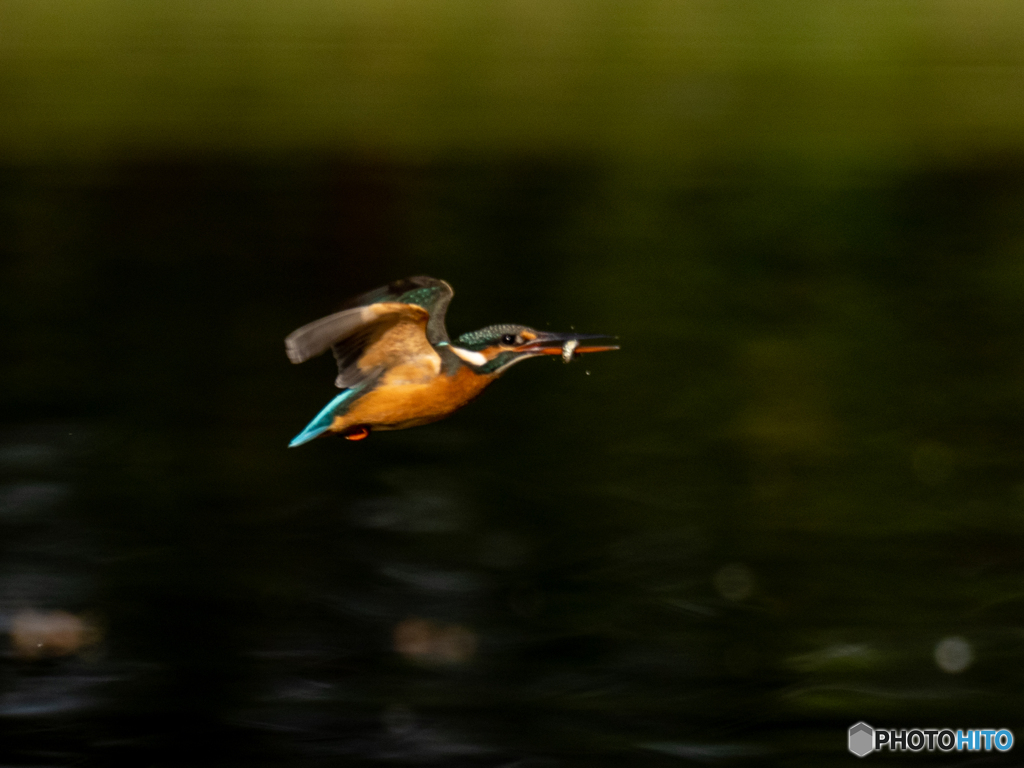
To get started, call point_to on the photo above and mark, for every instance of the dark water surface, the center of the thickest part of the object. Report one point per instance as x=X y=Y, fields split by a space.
x=792 y=501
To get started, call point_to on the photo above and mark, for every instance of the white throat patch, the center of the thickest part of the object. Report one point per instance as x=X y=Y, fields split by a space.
x=469 y=356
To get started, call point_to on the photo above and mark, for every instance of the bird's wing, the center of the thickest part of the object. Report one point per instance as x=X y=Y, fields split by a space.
x=427 y=292
x=389 y=328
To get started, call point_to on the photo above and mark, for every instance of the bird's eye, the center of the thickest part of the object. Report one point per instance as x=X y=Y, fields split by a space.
x=508 y=339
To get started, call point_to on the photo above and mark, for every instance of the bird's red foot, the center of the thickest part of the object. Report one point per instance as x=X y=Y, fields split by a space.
x=359 y=433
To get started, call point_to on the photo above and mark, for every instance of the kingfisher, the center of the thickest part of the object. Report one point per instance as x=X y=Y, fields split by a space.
x=397 y=367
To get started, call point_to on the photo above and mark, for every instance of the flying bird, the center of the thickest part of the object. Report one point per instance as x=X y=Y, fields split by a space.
x=397 y=367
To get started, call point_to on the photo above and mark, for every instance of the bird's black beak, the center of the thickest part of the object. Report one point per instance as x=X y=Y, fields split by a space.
x=565 y=344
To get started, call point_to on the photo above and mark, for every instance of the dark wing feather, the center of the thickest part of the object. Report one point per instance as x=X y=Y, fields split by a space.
x=317 y=337
x=348 y=351
x=427 y=292
x=373 y=317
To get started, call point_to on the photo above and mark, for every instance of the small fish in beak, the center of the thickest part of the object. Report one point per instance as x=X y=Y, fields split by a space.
x=569 y=350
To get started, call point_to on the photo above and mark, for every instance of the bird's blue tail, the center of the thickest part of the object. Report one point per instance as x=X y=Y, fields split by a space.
x=323 y=420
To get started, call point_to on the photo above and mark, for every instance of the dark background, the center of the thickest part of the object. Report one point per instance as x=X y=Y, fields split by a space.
x=792 y=501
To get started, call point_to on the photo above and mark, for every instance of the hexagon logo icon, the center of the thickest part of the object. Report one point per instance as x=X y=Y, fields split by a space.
x=862 y=739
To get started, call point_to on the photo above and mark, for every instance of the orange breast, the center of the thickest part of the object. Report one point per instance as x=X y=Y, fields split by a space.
x=397 y=403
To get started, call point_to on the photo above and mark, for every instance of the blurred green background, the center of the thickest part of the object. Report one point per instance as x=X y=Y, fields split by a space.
x=838 y=88
x=793 y=500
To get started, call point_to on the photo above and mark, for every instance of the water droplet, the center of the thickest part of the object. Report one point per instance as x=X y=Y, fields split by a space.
x=954 y=654
x=39 y=634
x=429 y=642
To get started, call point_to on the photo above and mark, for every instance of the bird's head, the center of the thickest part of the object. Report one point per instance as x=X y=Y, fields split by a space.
x=493 y=349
